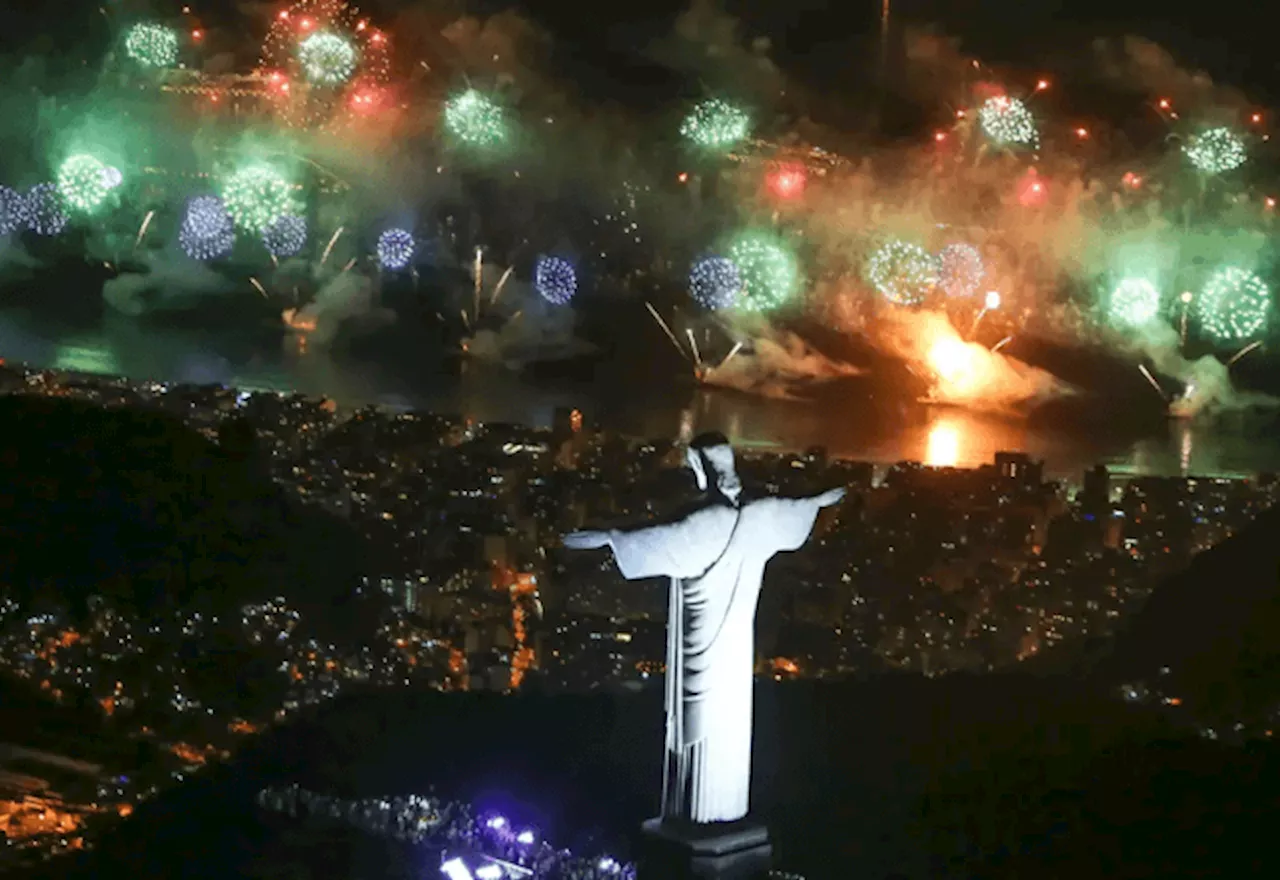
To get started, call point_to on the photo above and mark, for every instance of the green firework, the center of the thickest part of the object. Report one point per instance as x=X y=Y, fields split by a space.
x=327 y=59
x=1234 y=304
x=768 y=270
x=902 y=272
x=716 y=125
x=152 y=45
x=83 y=183
x=475 y=119
x=1216 y=151
x=1134 y=302
x=257 y=197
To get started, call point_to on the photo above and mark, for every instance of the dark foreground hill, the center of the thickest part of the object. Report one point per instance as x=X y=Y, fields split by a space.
x=1216 y=628
x=136 y=507
x=963 y=777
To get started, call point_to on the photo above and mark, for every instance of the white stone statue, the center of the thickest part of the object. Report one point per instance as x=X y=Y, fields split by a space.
x=715 y=557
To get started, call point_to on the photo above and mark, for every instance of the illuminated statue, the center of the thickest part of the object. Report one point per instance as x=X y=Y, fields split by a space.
x=715 y=557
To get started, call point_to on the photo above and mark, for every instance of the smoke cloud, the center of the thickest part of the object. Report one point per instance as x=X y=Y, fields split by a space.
x=1207 y=387
x=530 y=328
x=347 y=297
x=779 y=365
x=966 y=373
x=171 y=283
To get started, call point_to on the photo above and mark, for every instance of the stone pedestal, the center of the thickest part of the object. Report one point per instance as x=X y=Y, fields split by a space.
x=718 y=851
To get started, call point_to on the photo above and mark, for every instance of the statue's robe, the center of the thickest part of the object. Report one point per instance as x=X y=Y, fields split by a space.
x=715 y=558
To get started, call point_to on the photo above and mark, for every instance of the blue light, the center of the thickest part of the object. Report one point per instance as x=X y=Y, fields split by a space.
x=555 y=279
x=456 y=869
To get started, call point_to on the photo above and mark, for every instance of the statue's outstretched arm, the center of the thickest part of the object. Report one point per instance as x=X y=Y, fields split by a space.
x=830 y=497
x=587 y=540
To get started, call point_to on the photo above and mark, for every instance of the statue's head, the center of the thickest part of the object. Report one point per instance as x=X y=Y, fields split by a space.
x=710 y=456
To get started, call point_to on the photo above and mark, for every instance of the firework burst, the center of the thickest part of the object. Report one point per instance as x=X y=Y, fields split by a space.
x=555 y=279
x=207 y=230
x=1008 y=122
x=152 y=45
x=716 y=125
x=395 y=249
x=45 y=214
x=257 y=197
x=286 y=237
x=715 y=282
x=326 y=64
x=82 y=183
x=1135 y=302
x=1234 y=304
x=902 y=272
x=1216 y=151
x=476 y=120
x=960 y=270
x=13 y=211
x=768 y=270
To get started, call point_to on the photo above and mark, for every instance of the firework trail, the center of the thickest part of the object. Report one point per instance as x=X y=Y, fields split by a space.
x=693 y=346
x=329 y=247
x=478 y=273
x=1244 y=351
x=142 y=230
x=502 y=282
x=1146 y=374
x=257 y=284
x=665 y=329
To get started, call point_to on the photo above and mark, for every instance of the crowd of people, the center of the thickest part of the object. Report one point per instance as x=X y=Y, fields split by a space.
x=502 y=851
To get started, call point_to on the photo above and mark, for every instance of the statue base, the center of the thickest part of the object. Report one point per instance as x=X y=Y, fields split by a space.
x=715 y=851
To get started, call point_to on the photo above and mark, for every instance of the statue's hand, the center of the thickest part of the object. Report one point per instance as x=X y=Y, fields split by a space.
x=586 y=540
x=830 y=497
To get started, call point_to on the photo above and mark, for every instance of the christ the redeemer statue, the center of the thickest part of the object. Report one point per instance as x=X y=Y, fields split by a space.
x=715 y=557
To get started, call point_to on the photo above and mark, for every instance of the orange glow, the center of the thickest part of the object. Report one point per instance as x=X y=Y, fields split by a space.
x=683 y=177
x=197 y=34
x=295 y=321
x=959 y=114
x=284 y=15
x=785 y=666
x=187 y=753
x=1271 y=203
x=939 y=136
x=241 y=726
x=377 y=37
x=361 y=25
x=1163 y=103
x=1031 y=190
x=1256 y=118
x=1132 y=180
x=124 y=810
x=1082 y=133
x=942 y=448
x=307 y=24
x=1042 y=85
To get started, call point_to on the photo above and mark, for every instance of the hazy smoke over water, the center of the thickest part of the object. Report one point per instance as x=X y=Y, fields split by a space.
x=1207 y=386
x=172 y=283
x=531 y=329
x=780 y=365
x=345 y=297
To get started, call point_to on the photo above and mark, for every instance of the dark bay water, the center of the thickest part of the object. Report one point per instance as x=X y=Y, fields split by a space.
x=852 y=419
